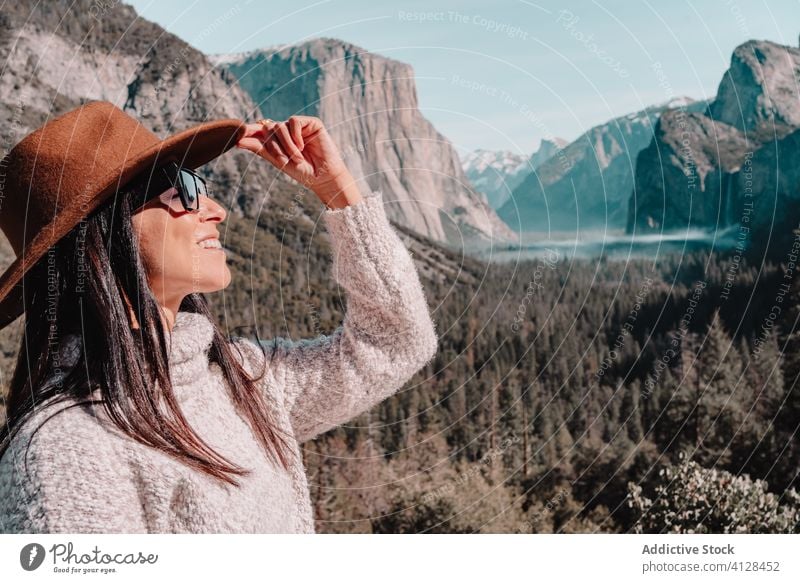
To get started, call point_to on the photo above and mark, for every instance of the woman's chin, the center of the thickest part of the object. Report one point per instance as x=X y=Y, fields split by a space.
x=215 y=281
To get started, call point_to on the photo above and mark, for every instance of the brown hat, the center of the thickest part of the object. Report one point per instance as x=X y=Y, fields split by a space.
x=67 y=168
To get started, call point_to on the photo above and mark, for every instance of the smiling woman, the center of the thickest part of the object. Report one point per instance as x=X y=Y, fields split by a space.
x=129 y=410
x=176 y=230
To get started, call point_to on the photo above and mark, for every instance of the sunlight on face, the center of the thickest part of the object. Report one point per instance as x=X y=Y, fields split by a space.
x=169 y=240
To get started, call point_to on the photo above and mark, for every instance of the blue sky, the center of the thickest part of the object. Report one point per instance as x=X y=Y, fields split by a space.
x=505 y=74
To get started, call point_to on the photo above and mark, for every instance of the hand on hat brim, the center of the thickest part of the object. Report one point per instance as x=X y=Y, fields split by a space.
x=300 y=147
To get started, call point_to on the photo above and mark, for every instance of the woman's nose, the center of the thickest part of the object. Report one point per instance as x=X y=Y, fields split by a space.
x=211 y=209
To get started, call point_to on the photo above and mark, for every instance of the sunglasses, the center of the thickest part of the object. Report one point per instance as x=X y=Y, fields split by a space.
x=189 y=185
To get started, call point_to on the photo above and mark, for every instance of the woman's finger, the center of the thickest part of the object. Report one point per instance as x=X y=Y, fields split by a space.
x=252 y=144
x=258 y=147
x=288 y=143
x=254 y=130
x=296 y=129
x=275 y=149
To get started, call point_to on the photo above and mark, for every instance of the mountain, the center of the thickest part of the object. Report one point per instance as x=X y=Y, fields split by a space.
x=368 y=102
x=690 y=161
x=731 y=163
x=547 y=149
x=587 y=183
x=497 y=173
x=773 y=171
x=58 y=55
x=758 y=93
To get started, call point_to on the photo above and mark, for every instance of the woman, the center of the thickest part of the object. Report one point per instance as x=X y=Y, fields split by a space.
x=129 y=410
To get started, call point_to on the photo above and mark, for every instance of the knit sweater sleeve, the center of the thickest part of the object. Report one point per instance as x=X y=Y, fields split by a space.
x=387 y=334
x=67 y=475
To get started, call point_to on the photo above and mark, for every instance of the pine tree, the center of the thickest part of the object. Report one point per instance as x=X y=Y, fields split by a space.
x=630 y=411
x=790 y=340
x=759 y=444
x=719 y=411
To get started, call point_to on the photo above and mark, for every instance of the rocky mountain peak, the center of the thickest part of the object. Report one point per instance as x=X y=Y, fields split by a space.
x=758 y=92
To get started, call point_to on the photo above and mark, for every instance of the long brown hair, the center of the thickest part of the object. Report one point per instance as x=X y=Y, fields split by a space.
x=80 y=288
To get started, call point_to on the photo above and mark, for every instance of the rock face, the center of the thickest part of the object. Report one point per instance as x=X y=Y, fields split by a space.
x=758 y=94
x=369 y=104
x=771 y=181
x=733 y=163
x=587 y=183
x=696 y=157
x=497 y=173
x=547 y=149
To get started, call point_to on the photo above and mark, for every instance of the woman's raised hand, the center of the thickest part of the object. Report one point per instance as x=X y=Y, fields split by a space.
x=300 y=147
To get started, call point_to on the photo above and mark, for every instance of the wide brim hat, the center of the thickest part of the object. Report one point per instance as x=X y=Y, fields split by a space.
x=62 y=172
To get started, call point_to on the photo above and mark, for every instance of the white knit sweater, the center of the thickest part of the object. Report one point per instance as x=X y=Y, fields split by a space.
x=83 y=476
